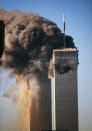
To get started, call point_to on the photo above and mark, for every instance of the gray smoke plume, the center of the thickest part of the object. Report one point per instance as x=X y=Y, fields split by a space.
x=30 y=40
x=29 y=43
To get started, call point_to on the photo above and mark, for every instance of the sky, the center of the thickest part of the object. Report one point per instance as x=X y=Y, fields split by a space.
x=78 y=15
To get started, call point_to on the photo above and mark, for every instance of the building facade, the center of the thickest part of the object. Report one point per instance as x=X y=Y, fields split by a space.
x=66 y=89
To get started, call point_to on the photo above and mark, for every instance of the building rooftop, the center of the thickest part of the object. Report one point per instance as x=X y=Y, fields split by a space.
x=66 y=49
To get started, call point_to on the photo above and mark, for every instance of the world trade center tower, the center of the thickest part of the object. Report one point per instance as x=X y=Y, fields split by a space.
x=64 y=89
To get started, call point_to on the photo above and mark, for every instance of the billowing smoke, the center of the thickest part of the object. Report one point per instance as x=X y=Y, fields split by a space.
x=29 y=43
x=30 y=40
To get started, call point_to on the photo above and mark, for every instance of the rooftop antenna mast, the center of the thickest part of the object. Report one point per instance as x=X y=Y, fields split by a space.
x=64 y=28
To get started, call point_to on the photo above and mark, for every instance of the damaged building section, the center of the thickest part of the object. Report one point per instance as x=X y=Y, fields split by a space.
x=62 y=64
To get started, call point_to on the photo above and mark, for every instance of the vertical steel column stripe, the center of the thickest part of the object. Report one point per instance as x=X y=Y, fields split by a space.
x=53 y=104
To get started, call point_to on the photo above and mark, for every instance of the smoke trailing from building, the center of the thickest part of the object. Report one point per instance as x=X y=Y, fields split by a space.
x=30 y=40
x=29 y=43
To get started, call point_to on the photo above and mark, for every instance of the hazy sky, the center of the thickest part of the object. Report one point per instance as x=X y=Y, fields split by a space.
x=78 y=15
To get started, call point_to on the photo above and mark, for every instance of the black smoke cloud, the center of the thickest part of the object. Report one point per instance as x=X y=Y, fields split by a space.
x=30 y=40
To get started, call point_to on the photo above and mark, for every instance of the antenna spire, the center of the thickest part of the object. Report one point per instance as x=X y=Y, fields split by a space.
x=64 y=22
x=64 y=28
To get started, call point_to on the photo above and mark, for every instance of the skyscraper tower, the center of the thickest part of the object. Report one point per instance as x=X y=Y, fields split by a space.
x=64 y=77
